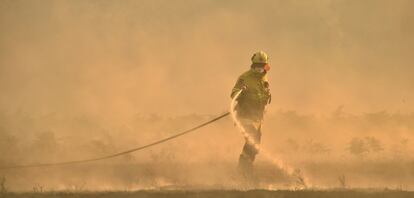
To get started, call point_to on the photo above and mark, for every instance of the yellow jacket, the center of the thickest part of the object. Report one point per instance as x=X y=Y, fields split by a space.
x=253 y=100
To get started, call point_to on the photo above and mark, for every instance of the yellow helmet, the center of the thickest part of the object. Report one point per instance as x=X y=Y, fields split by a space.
x=260 y=57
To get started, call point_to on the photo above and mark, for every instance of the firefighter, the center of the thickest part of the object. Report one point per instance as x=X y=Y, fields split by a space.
x=251 y=105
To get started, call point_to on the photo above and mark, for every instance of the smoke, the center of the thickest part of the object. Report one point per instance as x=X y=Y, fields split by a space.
x=113 y=59
x=85 y=78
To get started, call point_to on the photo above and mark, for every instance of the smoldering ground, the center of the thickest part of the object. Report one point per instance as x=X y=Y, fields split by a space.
x=81 y=79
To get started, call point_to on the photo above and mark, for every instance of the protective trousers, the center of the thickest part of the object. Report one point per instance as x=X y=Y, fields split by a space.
x=252 y=134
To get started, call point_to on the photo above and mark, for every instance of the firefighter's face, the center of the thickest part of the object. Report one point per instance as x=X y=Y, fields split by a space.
x=259 y=69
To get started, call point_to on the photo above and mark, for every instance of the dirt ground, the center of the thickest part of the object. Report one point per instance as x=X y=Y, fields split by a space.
x=218 y=193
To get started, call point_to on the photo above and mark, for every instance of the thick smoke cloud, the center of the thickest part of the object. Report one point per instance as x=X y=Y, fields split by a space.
x=110 y=58
x=102 y=76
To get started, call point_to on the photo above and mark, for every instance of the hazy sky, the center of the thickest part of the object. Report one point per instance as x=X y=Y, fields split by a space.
x=118 y=58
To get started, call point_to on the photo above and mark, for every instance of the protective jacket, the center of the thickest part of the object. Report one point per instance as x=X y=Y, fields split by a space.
x=253 y=100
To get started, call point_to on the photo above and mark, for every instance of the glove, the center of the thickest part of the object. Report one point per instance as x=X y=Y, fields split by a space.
x=244 y=87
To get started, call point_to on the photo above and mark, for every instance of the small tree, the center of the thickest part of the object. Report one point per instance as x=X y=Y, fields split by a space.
x=357 y=147
x=299 y=179
x=342 y=181
x=38 y=188
x=3 y=188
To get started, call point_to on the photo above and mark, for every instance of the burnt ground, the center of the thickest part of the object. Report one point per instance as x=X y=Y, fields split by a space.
x=221 y=193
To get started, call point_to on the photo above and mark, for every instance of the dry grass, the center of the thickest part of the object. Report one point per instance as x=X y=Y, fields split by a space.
x=221 y=193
